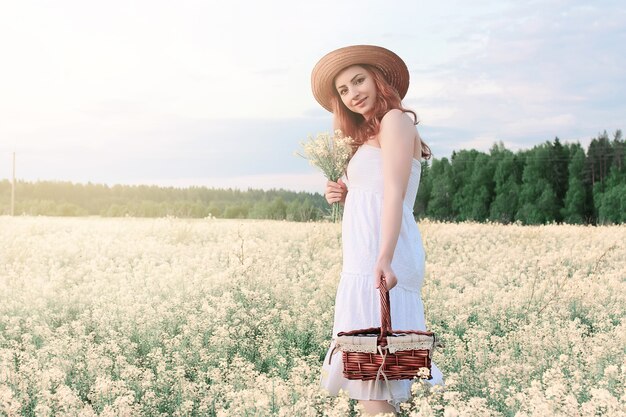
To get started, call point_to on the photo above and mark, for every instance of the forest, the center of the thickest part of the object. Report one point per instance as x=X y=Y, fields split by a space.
x=550 y=183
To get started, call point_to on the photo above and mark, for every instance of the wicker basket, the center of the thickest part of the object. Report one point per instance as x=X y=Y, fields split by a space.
x=379 y=352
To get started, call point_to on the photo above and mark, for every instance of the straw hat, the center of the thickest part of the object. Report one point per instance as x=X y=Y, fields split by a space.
x=392 y=66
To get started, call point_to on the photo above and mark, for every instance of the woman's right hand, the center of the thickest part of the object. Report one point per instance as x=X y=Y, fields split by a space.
x=336 y=191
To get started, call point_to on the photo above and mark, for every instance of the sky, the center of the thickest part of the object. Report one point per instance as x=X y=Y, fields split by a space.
x=217 y=94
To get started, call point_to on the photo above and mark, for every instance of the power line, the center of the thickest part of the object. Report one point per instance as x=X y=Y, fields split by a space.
x=13 y=189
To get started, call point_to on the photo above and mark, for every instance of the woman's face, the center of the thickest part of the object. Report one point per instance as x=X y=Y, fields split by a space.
x=357 y=89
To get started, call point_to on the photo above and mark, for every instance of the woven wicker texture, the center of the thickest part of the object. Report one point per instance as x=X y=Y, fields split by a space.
x=359 y=362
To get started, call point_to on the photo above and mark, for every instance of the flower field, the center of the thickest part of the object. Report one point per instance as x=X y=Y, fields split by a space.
x=173 y=317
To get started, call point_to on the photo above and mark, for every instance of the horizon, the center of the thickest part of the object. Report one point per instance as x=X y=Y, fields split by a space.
x=235 y=186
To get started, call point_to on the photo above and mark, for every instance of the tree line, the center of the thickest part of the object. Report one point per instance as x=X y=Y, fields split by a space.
x=59 y=198
x=552 y=182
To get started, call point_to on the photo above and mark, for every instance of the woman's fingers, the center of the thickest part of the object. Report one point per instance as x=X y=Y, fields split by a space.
x=391 y=281
x=333 y=197
x=384 y=270
x=334 y=186
x=335 y=192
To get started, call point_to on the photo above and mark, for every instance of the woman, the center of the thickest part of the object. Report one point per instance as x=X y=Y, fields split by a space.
x=363 y=86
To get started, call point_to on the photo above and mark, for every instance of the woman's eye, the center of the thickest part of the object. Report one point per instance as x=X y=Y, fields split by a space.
x=342 y=92
x=359 y=81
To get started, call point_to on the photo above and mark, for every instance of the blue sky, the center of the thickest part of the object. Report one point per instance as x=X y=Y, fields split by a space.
x=218 y=93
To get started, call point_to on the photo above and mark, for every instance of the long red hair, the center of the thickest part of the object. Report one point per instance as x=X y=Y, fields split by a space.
x=356 y=126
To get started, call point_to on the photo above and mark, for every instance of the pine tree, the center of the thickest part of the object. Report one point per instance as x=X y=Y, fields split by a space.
x=610 y=199
x=462 y=165
x=599 y=158
x=611 y=204
x=423 y=193
x=574 y=210
x=481 y=187
x=619 y=150
x=538 y=202
x=558 y=173
x=505 y=203
x=440 y=203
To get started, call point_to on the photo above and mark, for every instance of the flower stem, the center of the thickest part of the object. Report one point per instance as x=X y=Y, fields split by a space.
x=335 y=212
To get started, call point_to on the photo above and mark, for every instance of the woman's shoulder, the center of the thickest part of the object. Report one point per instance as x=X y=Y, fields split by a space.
x=396 y=120
x=396 y=117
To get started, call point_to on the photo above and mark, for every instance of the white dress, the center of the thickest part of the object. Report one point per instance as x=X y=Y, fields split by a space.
x=357 y=305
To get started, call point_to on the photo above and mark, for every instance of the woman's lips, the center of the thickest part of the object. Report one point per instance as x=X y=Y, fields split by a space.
x=360 y=102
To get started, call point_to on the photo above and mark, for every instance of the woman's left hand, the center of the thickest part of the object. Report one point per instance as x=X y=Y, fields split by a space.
x=383 y=269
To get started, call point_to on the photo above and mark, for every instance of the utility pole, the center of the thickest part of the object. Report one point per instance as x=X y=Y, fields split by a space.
x=13 y=189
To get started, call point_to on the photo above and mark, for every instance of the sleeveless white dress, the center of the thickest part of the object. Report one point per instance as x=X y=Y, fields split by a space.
x=357 y=305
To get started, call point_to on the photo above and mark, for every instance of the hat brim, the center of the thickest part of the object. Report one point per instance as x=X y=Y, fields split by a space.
x=323 y=75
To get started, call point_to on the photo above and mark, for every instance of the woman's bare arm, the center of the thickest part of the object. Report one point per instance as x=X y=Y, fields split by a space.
x=397 y=139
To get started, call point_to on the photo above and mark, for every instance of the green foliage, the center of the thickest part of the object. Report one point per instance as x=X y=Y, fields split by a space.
x=538 y=201
x=558 y=172
x=574 y=210
x=423 y=192
x=599 y=159
x=481 y=187
x=302 y=211
x=461 y=173
x=50 y=198
x=611 y=204
x=507 y=179
x=440 y=204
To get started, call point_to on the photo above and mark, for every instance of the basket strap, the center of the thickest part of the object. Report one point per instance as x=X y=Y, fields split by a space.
x=332 y=353
x=382 y=372
x=385 y=314
x=432 y=350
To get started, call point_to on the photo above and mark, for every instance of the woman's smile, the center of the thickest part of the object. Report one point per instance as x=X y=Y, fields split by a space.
x=360 y=102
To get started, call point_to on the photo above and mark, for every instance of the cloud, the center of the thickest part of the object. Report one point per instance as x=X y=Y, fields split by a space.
x=527 y=73
x=137 y=91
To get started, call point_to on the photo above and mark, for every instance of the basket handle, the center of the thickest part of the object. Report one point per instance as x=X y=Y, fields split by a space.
x=385 y=313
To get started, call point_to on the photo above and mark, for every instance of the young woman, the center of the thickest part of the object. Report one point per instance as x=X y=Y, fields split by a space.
x=363 y=86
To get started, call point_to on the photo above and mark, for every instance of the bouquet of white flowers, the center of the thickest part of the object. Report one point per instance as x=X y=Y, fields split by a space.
x=330 y=154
